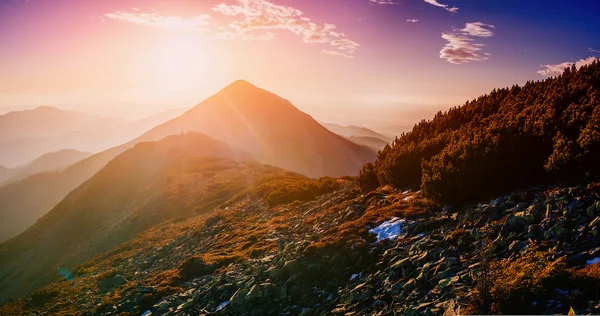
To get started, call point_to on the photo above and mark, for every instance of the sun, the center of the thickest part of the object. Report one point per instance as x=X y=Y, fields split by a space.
x=181 y=59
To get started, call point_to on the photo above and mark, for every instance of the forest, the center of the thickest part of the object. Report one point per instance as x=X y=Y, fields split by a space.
x=543 y=132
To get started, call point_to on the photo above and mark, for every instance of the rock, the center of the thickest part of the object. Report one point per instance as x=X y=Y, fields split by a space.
x=514 y=224
x=256 y=292
x=292 y=267
x=238 y=300
x=195 y=267
x=595 y=222
x=110 y=283
x=576 y=259
x=516 y=246
x=591 y=211
x=557 y=230
x=212 y=221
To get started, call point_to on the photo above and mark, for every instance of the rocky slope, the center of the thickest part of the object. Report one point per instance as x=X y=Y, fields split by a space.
x=532 y=251
x=146 y=185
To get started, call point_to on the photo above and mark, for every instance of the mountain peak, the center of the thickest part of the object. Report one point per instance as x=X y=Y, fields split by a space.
x=240 y=86
x=47 y=108
x=241 y=83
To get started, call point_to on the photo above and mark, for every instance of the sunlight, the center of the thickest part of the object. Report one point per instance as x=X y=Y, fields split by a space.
x=180 y=60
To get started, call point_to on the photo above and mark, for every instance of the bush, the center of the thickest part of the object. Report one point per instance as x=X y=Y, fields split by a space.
x=367 y=177
x=284 y=191
x=532 y=277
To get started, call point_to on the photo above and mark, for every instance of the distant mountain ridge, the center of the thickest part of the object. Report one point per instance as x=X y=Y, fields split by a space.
x=54 y=161
x=25 y=135
x=352 y=130
x=373 y=142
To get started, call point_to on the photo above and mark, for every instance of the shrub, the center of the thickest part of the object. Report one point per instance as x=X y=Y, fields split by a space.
x=529 y=278
x=286 y=191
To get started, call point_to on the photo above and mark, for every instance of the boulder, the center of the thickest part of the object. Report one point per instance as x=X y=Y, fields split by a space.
x=110 y=283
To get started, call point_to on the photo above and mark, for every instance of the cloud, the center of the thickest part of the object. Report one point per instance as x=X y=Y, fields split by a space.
x=412 y=20
x=382 y=2
x=593 y=50
x=478 y=29
x=433 y=2
x=445 y=6
x=248 y=20
x=461 y=47
x=259 y=16
x=558 y=69
x=156 y=20
x=337 y=53
x=345 y=45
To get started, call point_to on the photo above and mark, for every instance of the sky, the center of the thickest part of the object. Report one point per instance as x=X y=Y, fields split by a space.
x=363 y=62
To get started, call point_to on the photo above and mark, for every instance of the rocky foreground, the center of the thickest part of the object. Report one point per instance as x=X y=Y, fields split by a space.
x=386 y=252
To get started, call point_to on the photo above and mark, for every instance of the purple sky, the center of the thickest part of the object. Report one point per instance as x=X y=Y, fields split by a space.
x=340 y=60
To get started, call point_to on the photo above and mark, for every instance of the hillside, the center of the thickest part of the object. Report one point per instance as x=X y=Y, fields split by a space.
x=384 y=252
x=543 y=132
x=144 y=186
x=5 y=173
x=54 y=161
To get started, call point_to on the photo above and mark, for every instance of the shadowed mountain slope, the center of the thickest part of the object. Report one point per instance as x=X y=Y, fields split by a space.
x=145 y=185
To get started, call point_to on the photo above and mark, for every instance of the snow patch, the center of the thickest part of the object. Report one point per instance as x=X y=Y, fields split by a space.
x=388 y=230
x=593 y=261
x=222 y=305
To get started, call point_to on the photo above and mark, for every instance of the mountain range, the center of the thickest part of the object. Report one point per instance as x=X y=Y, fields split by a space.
x=267 y=128
x=355 y=131
x=54 y=161
x=26 y=135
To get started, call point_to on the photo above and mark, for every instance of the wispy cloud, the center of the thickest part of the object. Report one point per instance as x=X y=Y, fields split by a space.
x=250 y=20
x=412 y=20
x=445 y=6
x=164 y=22
x=478 y=29
x=461 y=47
x=593 y=50
x=382 y=2
x=337 y=53
x=432 y=2
x=262 y=15
x=558 y=69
